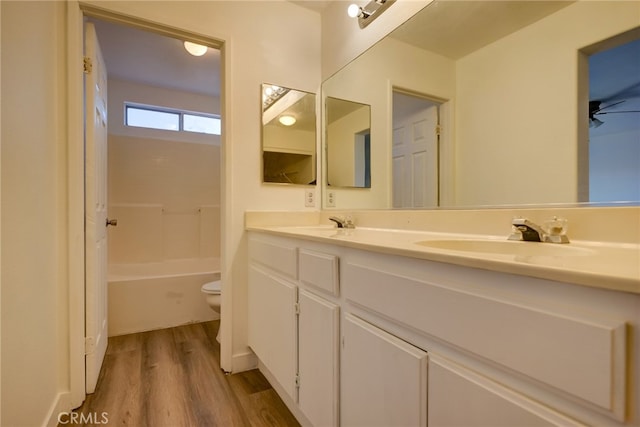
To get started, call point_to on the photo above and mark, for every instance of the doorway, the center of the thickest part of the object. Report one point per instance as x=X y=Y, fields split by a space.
x=78 y=308
x=614 y=124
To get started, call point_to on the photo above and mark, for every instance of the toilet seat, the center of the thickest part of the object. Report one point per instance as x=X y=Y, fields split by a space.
x=211 y=287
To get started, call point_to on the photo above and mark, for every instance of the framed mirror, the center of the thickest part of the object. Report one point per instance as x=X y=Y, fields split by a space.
x=511 y=83
x=288 y=135
x=348 y=143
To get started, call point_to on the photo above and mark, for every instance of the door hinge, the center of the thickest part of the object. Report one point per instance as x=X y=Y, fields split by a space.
x=297 y=380
x=89 y=345
x=87 y=65
x=296 y=307
x=438 y=130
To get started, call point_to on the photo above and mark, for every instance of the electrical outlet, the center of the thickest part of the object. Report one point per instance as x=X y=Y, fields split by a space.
x=331 y=199
x=309 y=198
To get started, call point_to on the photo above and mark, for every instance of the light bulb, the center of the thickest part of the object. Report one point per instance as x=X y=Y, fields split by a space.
x=195 y=49
x=287 y=120
x=354 y=10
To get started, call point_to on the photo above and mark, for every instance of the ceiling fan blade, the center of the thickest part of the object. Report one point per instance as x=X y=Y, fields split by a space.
x=618 y=112
x=628 y=92
x=606 y=106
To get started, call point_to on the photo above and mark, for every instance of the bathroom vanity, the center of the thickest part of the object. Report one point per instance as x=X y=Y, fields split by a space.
x=368 y=327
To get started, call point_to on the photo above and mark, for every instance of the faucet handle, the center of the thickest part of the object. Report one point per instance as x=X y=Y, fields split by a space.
x=556 y=230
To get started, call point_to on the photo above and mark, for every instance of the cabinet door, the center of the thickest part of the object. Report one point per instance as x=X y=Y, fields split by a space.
x=318 y=359
x=272 y=325
x=480 y=401
x=383 y=380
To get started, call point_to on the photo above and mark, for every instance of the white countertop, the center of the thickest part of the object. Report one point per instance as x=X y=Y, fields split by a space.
x=601 y=265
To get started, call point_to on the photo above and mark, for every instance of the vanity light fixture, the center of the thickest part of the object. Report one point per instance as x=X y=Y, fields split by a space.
x=195 y=49
x=270 y=94
x=368 y=13
x=287 y=120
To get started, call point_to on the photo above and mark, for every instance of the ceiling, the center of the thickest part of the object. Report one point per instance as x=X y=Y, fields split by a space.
x=149 y=58
x=457 y=28
x=317 y=5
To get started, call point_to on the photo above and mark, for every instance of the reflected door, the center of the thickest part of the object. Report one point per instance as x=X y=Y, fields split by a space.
x=415 y=158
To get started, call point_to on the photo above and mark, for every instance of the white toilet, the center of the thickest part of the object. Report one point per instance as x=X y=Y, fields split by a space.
x=211 y=291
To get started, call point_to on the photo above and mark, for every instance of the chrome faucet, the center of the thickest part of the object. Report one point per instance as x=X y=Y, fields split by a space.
x=528 y=231
x=342 y=223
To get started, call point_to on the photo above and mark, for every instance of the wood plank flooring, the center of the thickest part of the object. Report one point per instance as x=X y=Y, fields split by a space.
x=172 y=377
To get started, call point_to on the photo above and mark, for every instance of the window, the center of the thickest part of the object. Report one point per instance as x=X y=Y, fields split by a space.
x=168 y=119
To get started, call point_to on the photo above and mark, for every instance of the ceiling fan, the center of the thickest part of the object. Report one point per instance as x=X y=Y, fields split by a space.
x=596 y=108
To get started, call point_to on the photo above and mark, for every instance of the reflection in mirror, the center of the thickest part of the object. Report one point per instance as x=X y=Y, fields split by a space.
x=513 y=79
x=288 y=135
x=348 y=143
x=416 y=133
x=614 y=124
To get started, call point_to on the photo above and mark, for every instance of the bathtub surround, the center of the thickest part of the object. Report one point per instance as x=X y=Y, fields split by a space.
x=164 y=186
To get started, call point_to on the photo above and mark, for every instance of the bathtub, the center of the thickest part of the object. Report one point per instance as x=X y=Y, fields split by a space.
x=157 y=295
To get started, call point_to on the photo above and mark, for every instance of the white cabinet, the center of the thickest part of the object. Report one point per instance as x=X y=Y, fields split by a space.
x=293 y=331
x=355 y=328
x=383 y=379
x=272 y=325
x=318 y=359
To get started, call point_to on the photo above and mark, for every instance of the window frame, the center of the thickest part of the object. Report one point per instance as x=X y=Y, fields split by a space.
x=180 y=113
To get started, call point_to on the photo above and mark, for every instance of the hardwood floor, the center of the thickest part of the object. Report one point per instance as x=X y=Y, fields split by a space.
x=172 y=377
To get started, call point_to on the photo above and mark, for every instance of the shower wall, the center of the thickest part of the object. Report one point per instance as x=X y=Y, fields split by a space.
x=164 y=188
x=166 y=200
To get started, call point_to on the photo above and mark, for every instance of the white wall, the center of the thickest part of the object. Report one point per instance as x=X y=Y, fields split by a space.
x=34 y=311
x=542 y=84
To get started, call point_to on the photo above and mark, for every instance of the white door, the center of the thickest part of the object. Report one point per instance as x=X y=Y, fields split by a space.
x=415 y=159
x=95 y=208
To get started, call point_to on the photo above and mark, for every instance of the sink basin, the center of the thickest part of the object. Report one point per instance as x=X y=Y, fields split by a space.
x=506 y=247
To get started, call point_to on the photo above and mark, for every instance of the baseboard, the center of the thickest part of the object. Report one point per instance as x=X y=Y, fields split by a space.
x=288 y=400
x=241 y=362
x=61 y=405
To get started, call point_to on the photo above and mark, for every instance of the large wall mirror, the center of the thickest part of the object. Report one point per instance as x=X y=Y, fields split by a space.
x=288 y=135
x=487 y=103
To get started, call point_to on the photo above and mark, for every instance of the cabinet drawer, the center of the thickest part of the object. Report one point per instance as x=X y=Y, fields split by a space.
x=277 y=256
x=319 y=270
x=581 y=356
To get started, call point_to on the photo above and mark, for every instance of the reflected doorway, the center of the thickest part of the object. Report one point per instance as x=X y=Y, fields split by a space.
x=614 y=124
x=415 y=151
